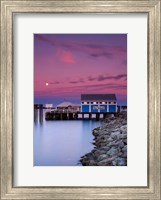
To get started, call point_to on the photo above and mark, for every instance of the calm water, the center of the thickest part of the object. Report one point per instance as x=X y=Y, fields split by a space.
x=62 y=143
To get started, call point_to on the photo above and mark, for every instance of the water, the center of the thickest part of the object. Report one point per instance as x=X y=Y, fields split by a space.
x=62 y=143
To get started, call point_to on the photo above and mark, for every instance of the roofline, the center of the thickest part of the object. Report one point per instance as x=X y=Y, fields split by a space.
x=99 y=100
x=86 y=99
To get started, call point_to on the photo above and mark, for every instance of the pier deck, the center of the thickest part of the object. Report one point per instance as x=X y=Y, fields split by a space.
x=75 y=115
x=67 y=115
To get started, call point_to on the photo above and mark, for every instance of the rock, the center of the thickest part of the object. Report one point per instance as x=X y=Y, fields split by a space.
x=95 y=132
x=124 y=149
x=125 y=141
x=115 y=135
x=110 y=143
x=123 y=128
x=124 y=155
x=106 y=161
x=123 y=136
x=120 y=161
x=92 y=163
x=113 y=151
x=102 y=157
x=121 y=144
x=107 y=148
x=109 y=139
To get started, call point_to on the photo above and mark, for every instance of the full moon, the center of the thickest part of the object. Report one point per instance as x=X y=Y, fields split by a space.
x=47 y=84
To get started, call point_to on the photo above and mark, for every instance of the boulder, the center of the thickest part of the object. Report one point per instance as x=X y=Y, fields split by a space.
x=102 y=157
x=113 y=151
x=110 y=143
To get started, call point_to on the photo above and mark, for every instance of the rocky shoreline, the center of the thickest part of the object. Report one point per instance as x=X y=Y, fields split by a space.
x=110 y=143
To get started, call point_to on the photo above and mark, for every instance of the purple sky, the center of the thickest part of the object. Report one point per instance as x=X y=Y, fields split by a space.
x=66 y=65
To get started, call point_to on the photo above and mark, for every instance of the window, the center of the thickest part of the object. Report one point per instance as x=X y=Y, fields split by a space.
x=82 y=102
x=94 y=102
x=91 y=102
x=87 y=102
x=102 y=107
x=109 y=102
x=95 y=107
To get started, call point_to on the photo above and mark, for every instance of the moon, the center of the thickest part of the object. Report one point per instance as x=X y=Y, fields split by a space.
x=47 y=84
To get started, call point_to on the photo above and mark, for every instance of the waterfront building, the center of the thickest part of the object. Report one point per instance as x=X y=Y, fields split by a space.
x=98 y=103
x=76 y=107
x=68 y=107
x=48 y=106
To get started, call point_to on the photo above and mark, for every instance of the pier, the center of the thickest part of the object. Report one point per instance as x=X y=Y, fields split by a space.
x=66 y=115
x=76 y=116
x=38 y=112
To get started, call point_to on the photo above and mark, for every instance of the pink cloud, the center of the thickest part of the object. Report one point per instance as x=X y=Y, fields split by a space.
x=66 y=57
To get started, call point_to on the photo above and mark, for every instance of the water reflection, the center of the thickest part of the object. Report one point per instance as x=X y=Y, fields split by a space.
x=62 y=143
x=35 y=115
x=38 y=115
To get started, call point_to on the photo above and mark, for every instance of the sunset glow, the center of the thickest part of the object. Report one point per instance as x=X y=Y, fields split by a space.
x=79 y=63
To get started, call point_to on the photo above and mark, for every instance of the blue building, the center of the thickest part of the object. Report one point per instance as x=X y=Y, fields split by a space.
x=98 y=103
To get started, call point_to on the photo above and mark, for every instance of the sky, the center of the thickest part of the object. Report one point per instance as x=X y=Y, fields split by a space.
x=68 y=65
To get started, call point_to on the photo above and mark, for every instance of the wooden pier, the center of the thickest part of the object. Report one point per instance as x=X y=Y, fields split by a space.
x=65 y=115
x=76 y=116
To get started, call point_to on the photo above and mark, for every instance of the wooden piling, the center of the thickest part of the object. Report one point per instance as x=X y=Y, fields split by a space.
x=75 y=116
x=97 y=116
x=40 y=115
x=35 y=114
x=71 y=116
x=104 y=115
x=35 y=106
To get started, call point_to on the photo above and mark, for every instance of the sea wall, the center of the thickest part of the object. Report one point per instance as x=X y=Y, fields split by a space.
x=110 y=143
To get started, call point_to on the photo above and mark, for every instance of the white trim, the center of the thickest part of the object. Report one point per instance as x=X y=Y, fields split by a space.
x=107 y=107
x=89 y=107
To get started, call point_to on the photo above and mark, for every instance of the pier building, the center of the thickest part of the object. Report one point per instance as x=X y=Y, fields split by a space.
x=98 y=103
x=49 y=106
x=68 y=107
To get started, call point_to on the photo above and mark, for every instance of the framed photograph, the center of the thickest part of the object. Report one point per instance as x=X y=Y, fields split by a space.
x=72 y=96
x=80 y=99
